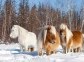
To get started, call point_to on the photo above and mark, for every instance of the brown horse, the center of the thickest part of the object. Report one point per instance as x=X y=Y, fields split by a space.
x=70 y=40
x=51 y=40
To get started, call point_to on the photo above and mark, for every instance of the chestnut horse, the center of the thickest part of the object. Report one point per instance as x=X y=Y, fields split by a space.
x=70 y=40
x=49 y=40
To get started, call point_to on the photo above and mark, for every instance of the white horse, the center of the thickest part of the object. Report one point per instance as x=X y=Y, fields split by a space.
x=26 y=39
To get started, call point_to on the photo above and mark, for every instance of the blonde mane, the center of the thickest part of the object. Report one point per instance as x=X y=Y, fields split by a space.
x=68 y=32
x=53 y=30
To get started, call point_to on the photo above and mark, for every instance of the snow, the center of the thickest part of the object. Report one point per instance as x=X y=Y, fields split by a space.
x=12 y=53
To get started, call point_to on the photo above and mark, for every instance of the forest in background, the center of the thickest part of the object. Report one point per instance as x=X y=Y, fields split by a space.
x=31 y=18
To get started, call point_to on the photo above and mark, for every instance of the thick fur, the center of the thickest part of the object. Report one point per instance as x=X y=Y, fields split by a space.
x=51 y=45
x=70 y=40
x=76 y=41
x=26 y=39
x=49 y=40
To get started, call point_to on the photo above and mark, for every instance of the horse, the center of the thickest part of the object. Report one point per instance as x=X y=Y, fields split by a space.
x=26 y=39
x=70 y=40
x=49 y=40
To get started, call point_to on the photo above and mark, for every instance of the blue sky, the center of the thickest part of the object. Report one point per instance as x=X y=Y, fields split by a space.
x=61 y=4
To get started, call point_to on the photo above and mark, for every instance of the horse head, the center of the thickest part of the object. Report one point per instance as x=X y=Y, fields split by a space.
x=51 y=34
x=63 y=28
x=14 y=31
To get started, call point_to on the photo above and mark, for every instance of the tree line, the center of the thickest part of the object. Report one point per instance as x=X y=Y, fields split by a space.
x=32 y=18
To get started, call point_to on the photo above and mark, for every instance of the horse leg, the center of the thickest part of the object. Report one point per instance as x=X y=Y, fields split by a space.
x=21 y=48
x=75 y=50
x=40 y=52
x=26 y=48
x=79 y=49
x=32 y=49
x=48 y=52
x=68 y=46
x=72 y=50
x=53 y=52
x=64 y=49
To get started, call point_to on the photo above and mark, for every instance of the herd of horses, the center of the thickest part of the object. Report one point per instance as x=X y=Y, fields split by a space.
x=48 y=39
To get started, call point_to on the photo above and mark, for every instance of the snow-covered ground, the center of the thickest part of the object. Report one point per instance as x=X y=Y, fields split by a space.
x=11 y=53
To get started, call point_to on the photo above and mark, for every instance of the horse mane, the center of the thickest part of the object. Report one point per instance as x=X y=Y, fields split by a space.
x=69 y=34
x=21 y=29
x=43 y=32
x=53 y=30
x=42 y=35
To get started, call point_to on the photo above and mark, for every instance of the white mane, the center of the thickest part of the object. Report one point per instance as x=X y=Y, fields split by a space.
x=68 y=32
x=21 y=29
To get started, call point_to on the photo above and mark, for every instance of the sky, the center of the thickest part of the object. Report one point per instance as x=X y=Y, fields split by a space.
x=61 y=4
